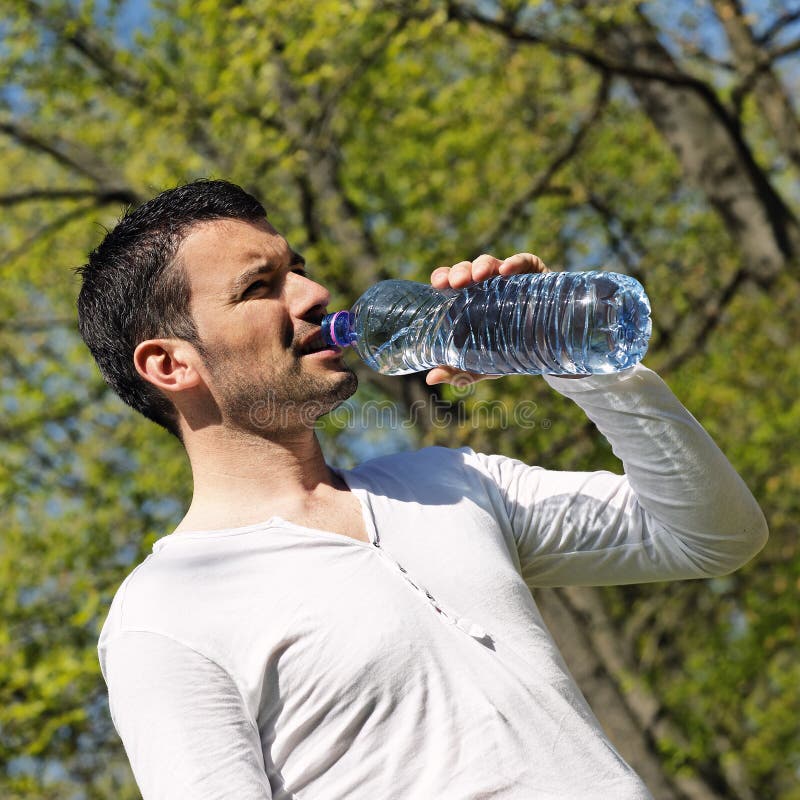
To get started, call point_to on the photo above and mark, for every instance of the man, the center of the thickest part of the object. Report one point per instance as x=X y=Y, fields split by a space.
x=310 y=632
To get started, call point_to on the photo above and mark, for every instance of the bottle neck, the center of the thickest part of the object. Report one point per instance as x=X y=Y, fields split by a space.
x=338 y=329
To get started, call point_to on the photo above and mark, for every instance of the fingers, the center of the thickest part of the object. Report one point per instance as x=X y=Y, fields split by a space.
x=464 y=274
x=440 y=278
x=455 y=377
x=484 y=267
x=522 y=263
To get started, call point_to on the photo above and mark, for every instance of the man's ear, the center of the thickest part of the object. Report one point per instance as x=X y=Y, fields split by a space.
x=169 y=364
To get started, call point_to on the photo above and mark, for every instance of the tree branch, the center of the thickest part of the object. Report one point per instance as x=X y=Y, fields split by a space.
x=601 y=62
x=785 y=50
x=46 y=230
x=754 y=67
x=91 y=47
x=67 y=154
x=102 y=196
x=361 y=68
x=515 y=212
x=706 y=138
x=619 y=243
x=322 y=187
x=787 y=18
x=711 y=316
x=36 y=325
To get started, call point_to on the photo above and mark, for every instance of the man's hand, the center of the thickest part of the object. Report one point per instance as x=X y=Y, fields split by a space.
x=464 y=274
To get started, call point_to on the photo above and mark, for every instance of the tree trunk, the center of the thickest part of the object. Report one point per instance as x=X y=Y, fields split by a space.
x=711 y=149
x=629 y=713
x=754 y=68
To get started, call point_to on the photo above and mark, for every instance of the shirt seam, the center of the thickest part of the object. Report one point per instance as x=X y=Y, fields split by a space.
x=120 y=633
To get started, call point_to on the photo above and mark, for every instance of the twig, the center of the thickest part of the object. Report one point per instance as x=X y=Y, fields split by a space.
x=787 y=18
x=515 y=211
x=121 y=195
x=46 y=230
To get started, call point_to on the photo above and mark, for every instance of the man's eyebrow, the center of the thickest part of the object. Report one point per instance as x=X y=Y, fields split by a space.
x=240 y=283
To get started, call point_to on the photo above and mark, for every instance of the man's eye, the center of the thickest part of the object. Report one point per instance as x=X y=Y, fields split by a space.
x=255 y=286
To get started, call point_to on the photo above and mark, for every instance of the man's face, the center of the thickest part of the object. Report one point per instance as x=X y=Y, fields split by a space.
x=258 y=315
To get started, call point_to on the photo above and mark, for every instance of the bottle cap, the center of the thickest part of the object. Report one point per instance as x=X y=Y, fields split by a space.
x=337 y=329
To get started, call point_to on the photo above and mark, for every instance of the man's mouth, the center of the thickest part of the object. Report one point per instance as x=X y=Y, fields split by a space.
x=314 y=344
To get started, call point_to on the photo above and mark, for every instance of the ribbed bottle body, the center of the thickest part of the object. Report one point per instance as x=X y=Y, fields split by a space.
x=393 y=321
x=564 y=323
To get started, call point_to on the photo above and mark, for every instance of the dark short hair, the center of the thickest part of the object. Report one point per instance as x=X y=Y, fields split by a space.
x=134 y=290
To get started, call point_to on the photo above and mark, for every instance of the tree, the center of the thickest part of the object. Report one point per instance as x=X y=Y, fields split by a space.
x=387 y=138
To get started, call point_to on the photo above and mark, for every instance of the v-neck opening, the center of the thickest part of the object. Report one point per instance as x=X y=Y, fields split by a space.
x=354 y=485
x=361 y=493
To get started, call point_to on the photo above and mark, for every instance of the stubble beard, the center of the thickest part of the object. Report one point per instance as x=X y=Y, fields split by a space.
x=281 y=402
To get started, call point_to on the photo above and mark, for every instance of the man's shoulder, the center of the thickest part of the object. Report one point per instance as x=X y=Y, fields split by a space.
x=411 y=462
x=428 y=473
x=138 y=598
x=156 y=590
x=434 y=459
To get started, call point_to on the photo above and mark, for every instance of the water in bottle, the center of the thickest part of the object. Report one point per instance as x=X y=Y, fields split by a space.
x=560 y=323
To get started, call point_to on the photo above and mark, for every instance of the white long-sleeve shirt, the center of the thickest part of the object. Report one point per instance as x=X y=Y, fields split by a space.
x=279 y=661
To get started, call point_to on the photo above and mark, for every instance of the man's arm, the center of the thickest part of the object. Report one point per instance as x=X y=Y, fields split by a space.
x=182 y=721
x=679 y=511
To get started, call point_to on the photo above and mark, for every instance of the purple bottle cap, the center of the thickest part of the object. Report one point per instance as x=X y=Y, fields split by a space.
x=337 y=329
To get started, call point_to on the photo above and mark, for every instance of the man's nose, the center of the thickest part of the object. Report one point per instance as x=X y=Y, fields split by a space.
x=306 y=295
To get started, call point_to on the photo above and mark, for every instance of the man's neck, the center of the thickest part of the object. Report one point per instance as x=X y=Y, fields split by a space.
x=240 y=479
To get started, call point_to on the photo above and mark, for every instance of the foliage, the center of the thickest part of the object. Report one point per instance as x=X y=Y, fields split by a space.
x=387 y=138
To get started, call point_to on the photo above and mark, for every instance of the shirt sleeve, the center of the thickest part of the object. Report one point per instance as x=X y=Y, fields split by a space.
x=679 y=510
x=182 y=721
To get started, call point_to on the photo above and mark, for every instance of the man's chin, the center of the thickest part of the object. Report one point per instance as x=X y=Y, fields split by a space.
x=272 y=414
x=348 y=387
x=325 y=402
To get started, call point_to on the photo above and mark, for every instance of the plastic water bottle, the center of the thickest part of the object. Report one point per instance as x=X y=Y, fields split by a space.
x=561 y=323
